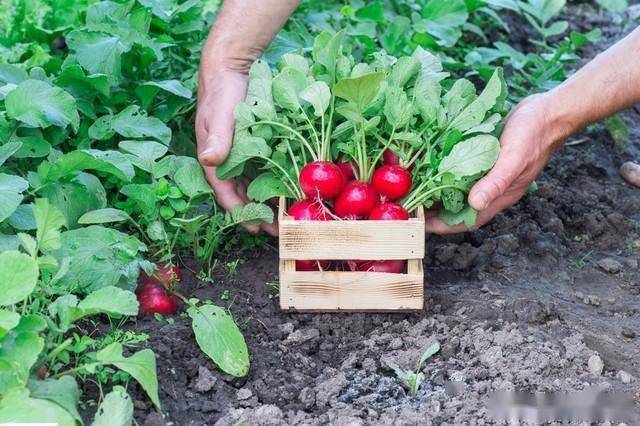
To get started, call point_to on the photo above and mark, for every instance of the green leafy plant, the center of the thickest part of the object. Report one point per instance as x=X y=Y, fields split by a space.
x=330 y=106
x=39 y=364
x=412 y=379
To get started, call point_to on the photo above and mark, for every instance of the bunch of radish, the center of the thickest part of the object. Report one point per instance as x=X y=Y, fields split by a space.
x=334 y=193
x=364 y=140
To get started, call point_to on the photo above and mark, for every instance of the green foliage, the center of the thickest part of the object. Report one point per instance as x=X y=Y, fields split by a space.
x=97 y=144
x=219 y=337
x=116 y=409
x=618 y=131
x=412 y=379
x=17 y=406
x=439 y=126
x=141 y=366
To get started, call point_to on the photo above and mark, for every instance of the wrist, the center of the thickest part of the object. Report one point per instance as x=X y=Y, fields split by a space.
x=224 y=52
x=561 y=117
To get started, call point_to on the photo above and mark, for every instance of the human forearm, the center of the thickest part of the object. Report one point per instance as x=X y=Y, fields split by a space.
x=606 y=85
x=242 y=31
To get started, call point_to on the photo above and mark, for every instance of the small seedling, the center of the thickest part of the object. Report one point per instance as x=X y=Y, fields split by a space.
x=413 y=379
x=274 y=289
x=581 y=262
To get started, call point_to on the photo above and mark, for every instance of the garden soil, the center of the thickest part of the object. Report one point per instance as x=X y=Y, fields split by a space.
x=543 y=299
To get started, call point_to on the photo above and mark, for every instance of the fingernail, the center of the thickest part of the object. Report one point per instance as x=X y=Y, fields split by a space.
x=206 y=155
x=482 y=200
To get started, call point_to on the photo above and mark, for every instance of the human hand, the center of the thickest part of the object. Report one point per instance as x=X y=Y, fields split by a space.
x=530 y=137
x=241 y=32
x=219 y=91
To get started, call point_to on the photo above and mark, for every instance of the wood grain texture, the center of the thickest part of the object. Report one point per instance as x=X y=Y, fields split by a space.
x=366 y=240
x=343 y=291
x=332 y=291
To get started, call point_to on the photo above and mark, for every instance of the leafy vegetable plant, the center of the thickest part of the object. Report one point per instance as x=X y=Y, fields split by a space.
x=294 y=123
x=412 y=379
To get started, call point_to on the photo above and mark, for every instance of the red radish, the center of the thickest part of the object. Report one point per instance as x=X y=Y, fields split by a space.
x=392 y=182
x=348 y=168
x=154 y=299
x=321 y=179
x=312 y=265
x=308 y=210
x=42 y=372
x=389 y=158
x=165 y=274
x=389 y=211
x=356 y=200
x=390 y=266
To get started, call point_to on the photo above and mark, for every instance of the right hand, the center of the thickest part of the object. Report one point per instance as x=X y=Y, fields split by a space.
x=219 y=91
x=528 y=141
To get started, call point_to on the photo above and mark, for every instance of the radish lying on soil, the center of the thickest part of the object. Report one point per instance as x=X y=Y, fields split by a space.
x=154 y=299
x=402 y=132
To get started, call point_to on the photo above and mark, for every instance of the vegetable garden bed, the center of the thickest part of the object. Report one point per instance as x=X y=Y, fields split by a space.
x=100 y=195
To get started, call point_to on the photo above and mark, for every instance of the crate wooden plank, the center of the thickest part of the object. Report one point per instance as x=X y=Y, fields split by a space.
x=331 y=291
x=366 y=240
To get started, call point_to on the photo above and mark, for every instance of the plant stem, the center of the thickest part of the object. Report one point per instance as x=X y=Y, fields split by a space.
x=327 y=135
x=385 y=147
x=297 y=134
x=315 y=134
x=409 y=207
x=294 y=188
x=74 y=370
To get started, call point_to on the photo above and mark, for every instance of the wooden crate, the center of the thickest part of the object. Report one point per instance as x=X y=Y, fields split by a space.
x=330 y=291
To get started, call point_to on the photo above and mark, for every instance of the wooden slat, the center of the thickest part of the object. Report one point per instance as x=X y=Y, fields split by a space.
x=366 y=240
x=332 y=291
x=414 y=266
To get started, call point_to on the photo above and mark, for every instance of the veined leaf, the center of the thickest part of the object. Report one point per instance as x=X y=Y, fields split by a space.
x=191 y=181
x=252 y=213
x=7 y=150
x=359 y=90
x=287 y=86
x=244 y=148
x=131 y=123
x=38 y=104
x=19 y=351
x=467 y=216
x=144 y=153
x=472 y=156
x=108 y=215
x=11 y=188
x=98 y=53
x=219 y=337
x=18 y=407
x=174 y=87
x=112 y=162
x=8 y=320
x=318 y=95
x=19 y=274
x=267 y=186
x=112 y=301
x=99 y=257
x=49 y=221
x=494 y=93
x=116 y=409
x=63 y=391
x=141 y=366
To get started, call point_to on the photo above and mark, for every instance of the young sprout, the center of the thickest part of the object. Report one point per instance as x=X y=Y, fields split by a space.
x=413 y=379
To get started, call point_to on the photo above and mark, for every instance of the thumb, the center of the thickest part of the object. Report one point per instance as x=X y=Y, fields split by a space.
x=216 y=148
x=496 y=182
x=218 y=108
